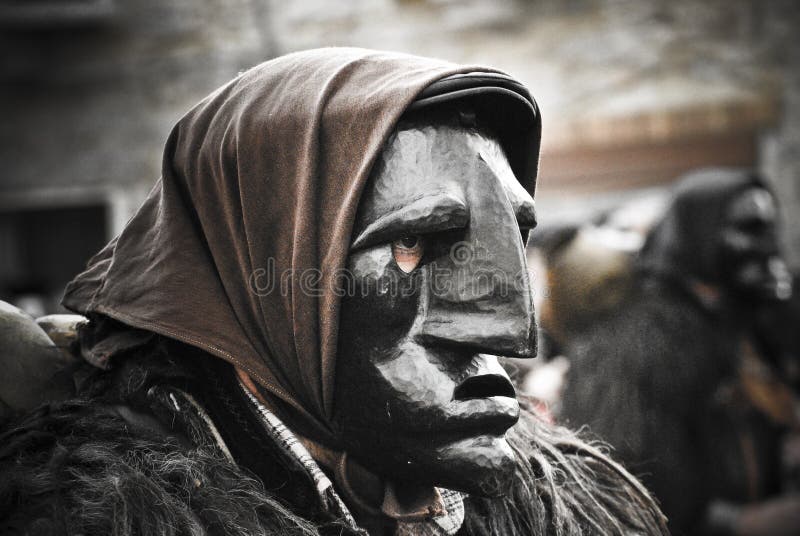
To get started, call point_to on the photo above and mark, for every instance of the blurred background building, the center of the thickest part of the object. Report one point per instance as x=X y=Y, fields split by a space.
x=633 y=93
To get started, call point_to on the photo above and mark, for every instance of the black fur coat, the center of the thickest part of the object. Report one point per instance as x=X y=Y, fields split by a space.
x=129 y=456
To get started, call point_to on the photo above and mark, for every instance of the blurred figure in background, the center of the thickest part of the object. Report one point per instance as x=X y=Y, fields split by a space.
x=582 y=268
x=667 y=358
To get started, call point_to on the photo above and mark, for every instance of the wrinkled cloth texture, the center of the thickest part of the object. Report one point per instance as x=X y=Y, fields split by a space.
x=686 y=242
x=260 y=181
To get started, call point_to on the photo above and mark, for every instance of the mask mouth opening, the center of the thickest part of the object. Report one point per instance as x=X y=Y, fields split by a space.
x=766 y=278
x=484 y=386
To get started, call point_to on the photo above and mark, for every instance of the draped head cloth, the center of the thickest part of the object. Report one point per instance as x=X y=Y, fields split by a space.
x=262 y=180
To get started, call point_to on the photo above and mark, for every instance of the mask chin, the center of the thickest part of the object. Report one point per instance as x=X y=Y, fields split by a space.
x=483 y=466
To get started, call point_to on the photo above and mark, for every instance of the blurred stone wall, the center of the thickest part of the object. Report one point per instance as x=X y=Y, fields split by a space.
x=89 y=90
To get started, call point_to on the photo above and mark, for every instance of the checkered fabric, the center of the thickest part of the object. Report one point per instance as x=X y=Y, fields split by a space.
x=444 y=525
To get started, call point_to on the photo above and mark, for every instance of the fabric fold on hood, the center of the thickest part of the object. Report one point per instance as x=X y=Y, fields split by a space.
x=238 y=247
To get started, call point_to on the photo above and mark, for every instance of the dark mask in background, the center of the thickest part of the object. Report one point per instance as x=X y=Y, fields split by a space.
x=720 y=230
x=750 y=247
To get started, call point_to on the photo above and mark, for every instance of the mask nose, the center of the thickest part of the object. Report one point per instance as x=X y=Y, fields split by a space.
x=479 y=297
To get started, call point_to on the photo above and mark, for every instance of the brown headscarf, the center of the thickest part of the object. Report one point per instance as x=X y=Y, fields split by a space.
x=263 y=175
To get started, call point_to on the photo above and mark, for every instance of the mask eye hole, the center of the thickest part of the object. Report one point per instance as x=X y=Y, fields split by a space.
x=408 y=251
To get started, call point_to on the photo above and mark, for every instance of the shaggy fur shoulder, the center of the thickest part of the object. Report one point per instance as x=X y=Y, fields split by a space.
x=655 y=397
x=81 y=468
x=110 y=463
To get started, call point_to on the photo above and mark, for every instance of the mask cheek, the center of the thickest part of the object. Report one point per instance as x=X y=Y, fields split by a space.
x=750 y=273
x=372 y=264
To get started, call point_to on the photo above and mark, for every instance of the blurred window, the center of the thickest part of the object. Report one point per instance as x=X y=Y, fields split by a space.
x=42 y=249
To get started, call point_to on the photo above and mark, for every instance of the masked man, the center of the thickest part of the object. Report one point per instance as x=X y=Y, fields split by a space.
x=299 y=331
x=674 y=376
